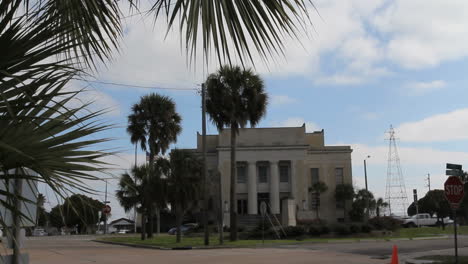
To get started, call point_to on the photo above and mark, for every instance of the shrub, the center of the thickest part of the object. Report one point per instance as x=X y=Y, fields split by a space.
x=314 y=230
x=354 y=228
x=385 y=223
x=317 y=230
x=366 y=228
x=294 y=231
x=342 y=230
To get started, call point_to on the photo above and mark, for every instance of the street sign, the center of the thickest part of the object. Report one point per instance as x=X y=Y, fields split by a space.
x=415 y=195
x=453 y=172
x=454 y=191
x=451 y=166
x=106 y=209
x=263 y=208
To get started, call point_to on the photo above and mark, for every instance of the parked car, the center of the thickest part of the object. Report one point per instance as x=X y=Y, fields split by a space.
x=183 y=228
x=424 y=220
x=39 y=232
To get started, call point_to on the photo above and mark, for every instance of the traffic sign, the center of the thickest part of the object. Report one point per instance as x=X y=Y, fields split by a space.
x=106 y=209
x=453 y=172
x=454 y=191
x=451 y=166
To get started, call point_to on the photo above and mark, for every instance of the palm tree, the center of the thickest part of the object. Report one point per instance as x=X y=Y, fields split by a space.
x=379 y=204
x=154 y=124
x=184 y=183
x=343 y=193
x=318 y=188
x=136 y=190
x=235 y=97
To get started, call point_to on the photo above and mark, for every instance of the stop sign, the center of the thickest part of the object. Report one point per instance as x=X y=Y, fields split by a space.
x=106 y=209
x=454 y=190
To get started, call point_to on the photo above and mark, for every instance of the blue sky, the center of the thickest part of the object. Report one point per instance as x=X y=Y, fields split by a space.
x=366 y=65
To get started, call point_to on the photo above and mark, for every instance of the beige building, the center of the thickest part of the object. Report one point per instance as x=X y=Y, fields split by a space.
x=277 y=166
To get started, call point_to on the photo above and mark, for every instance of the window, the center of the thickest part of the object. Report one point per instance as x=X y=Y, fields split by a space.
x=241 y=207
x=339 y=176
x=241 y=173
x=284 y=172
x=314 y=175
x=339 y=204
x=263 y=173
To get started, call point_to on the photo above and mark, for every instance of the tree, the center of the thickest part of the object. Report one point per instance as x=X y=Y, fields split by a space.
x=235 y=97
x=433 y=203
x=318 y=188
x=41 y=214
x=184 y=183
x=77 y=211
x=380 y=204
x=154 y=124
x=344 y=193
x=137 y=190
x=363 y=201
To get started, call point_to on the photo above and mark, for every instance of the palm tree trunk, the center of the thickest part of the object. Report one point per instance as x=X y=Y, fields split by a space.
x=143 y=226
x=151 y=221
x=233 y=213
x=178 y=223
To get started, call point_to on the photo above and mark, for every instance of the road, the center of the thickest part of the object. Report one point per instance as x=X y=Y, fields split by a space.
x=80 y=250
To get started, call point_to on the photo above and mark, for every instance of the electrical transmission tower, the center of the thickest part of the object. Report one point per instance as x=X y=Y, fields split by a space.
x=395 y=194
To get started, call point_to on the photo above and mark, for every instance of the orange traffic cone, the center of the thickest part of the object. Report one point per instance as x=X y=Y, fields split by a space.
x=394 y=255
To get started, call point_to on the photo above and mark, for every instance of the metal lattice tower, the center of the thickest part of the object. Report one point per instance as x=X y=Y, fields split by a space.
x=395 y=194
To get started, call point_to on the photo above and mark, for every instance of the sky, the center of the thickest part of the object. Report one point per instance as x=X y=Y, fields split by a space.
x=364 y=65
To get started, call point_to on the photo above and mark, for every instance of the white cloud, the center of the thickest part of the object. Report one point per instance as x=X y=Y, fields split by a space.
x=297 y=122
x=98 y=99
x=441 y=127
x=424 y=33
x=277 y=100
x=419 y=88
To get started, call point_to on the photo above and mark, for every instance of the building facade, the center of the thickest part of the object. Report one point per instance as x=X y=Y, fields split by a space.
x=277 y=166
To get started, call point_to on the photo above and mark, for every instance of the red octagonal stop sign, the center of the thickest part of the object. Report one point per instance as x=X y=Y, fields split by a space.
x=454 y=190
x=106 y=209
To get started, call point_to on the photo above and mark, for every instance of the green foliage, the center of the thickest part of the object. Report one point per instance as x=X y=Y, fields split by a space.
x=385 y=223
x=362 y=200
x=235 y=97
x=341 y=229
x=366 y=228
x=354 y=228
x=294 y=231
x=317 y=230
x=77 y=210
x=344 y=192
x=433 y=203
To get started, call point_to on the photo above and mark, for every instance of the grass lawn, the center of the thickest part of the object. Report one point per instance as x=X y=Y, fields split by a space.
x=446 y=259
x=168 y=241
x=429 y=231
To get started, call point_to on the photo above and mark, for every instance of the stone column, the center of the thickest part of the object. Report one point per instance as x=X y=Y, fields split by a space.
x=252 y=188
x=293 y=183
x=274 y=187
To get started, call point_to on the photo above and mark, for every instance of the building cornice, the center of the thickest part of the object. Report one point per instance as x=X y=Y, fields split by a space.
x=262 y=147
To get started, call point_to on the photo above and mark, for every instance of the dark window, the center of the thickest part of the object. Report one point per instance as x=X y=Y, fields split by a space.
x=241 y=207
x=340 y=204
x=339 y=176
x=340 y=220
x=241 y=173
x=263 y=173
x=284 y=172
x=314 y=175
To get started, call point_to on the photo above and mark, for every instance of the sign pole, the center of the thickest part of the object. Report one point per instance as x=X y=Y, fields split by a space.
x=455 y=234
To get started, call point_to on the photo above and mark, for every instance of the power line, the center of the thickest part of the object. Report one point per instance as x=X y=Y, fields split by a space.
x=142 y=86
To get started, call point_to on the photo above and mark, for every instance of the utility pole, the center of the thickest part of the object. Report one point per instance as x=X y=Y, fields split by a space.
x=365 y=177
x=429 y=181
x=205 y=180
x=105 y=215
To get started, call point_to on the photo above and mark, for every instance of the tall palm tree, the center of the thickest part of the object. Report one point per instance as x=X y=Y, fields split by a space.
x=154 y=124
x=235 y=97
x=318 y=188
x=184 y=183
